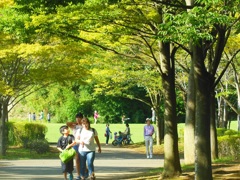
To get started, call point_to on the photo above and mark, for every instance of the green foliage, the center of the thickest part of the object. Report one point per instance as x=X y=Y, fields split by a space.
x=229 y=146
x=26 y=134
x=41 y=146
x=220 y=131
x=224 y=132
x=35 y=131
x=15 y=133
x=228 y=143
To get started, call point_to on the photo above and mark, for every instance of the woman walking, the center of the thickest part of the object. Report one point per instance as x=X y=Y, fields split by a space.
x=87 y=148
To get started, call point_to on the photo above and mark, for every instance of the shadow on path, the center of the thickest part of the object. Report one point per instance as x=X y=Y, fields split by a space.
x=112 y=163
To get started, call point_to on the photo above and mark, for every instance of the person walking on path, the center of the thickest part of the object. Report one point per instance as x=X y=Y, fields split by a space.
x=65 y=142
x=148 y=132
x=107 y=133
x=29 y=116
x=153 y=114
x=48 y=117
x=95 y=116
x=41 y=116
x=87 y=148
x=34 y=116
x=75 y=126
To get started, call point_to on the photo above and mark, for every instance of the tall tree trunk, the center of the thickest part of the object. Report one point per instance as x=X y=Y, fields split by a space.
x=237 y=83
x=171 y=155
x=155 y=99
x=238 y=116
x=203 y=168
x=3 y=119
x=2 y=124
x=189 y=129
x=213 y=129
x=160 y=128
x=219 y=112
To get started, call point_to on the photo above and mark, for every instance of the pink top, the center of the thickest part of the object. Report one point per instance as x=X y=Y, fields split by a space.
x=96 y=115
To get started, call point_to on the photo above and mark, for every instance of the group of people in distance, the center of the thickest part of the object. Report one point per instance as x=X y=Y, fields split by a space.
x=82 y=141
x=33 y=117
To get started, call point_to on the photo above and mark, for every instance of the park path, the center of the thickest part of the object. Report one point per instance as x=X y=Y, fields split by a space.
x=113 y=163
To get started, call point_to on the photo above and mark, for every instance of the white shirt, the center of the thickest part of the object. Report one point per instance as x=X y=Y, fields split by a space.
x=86 y=136
x=75 y=129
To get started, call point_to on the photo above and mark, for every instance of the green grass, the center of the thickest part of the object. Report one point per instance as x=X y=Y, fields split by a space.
x=20 y=153
x=136 y=130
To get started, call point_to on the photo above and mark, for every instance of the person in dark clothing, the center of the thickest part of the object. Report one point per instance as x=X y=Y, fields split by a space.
x=65 y=142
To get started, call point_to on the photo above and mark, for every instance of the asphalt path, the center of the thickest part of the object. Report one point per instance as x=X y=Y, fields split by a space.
x=112 y=163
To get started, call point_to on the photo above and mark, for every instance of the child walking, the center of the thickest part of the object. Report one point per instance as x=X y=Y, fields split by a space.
x=64 y=142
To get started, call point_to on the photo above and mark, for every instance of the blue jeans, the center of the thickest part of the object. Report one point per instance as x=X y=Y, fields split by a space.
x=88 y=156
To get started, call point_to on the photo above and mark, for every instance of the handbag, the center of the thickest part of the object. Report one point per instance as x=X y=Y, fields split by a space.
x=67 y=154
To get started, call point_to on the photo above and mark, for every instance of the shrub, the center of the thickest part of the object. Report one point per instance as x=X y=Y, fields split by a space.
x=223 y=132
x=229 y=146
x=230 y=132
x=22 y=134
x=220 y=131
x=41 y=146
x=15 y=133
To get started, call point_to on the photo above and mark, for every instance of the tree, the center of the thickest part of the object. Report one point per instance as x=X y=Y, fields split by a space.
x=134 y=26
x=26 y=64
x=204 y=80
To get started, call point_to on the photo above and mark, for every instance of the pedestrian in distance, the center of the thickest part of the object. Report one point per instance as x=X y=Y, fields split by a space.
x=153 y=114
x=123 y=119
x=127 y=131
x=34 y=116
x=148 y=132
x=75 y=126
x=48 y=117
x=66 y=141
x=107 y=133
x=29 y=116
x=95 y=116
x=41 y=116
x=87 y=148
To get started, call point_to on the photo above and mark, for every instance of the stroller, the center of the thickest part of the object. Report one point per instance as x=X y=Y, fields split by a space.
x=121 y=139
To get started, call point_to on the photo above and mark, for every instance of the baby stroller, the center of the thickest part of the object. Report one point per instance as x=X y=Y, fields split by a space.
x=121 y=139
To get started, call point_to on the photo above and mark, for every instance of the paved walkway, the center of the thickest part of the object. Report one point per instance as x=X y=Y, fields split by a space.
x=112 y=163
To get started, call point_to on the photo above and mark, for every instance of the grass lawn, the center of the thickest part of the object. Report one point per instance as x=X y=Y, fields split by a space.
x=136 y=130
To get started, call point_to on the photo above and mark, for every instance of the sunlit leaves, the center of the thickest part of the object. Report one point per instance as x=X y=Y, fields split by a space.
x=6 y=3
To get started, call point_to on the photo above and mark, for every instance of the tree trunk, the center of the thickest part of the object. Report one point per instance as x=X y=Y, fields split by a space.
x=160 y=128
x=219 y=112
x=3 y=119
x=160 y=122
x=238 y=98
x=171 y=155
x=189 y=147
x=213 y=130
x=203 y=168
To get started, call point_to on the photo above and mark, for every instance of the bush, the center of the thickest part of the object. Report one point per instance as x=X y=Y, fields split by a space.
x=41 y=146
x=23 y=134
x=223 y=132
x=220 y=131
x=229 y=146
x=15 y=133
